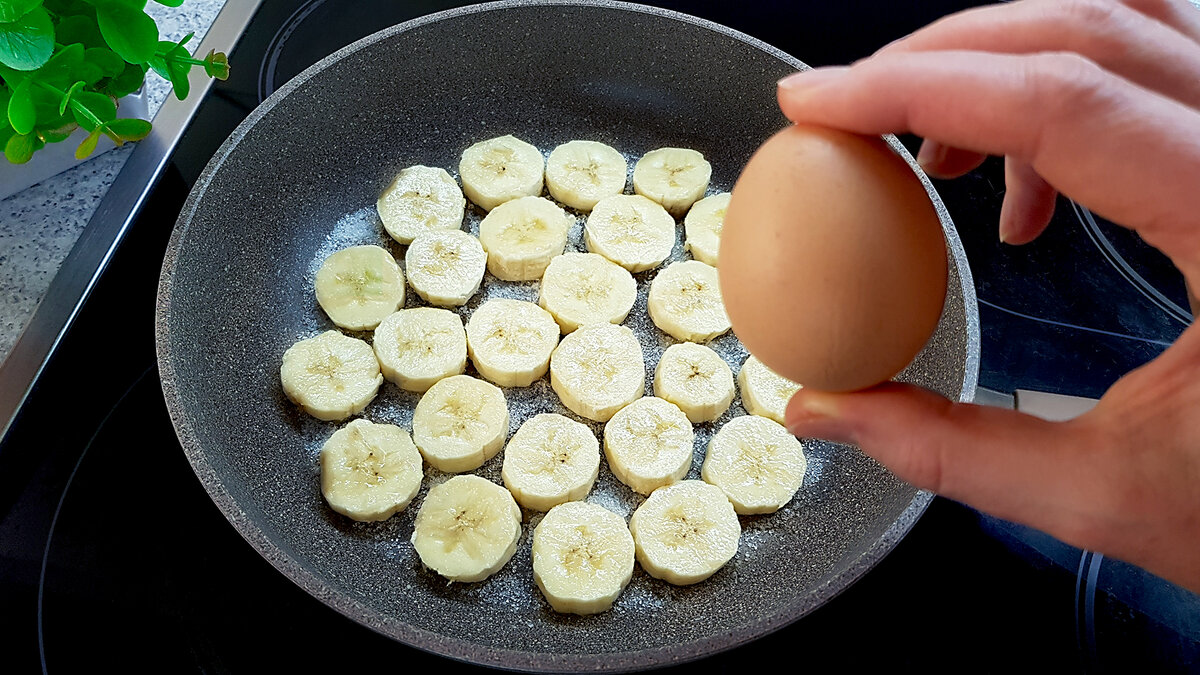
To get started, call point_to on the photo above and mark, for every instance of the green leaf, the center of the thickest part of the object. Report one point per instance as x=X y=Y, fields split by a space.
x=130 y=129
x=56 y=134
x=11 y=10
x=170 y=3
x=88 y=146
x=19 y=148
x=21 y=113
x=174 y=62
x=216 y=64
x=62 y=107
x=80 y=29
x=87 y=105
x=68 y=7
x=106 y=60
x=128 y=31
x=129 y=81
x=27 y=43
x=62 y=69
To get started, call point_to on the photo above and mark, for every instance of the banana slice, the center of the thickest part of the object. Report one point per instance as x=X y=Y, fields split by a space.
x=702 y=227
x=648 y=444
x=756 y=462
x=499 y=169
x=683 y=533
x=673 y=177
x=417 y=347
x=631 y=231
x=550 y=460
x=580 y=288
x=582 y=557
x=445 y=268
x=358 y=286
x=421 y=199
x=522 y=236
x=332 y=376
x=685 y=302
x=460 y=423
x=764 y=392
x=696 y=379
x=370 y=471
x=510 y=341
x=581 y=173
x=597 y=370
x=467 y=529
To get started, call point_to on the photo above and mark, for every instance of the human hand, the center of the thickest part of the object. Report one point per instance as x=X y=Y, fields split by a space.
x=1099 y=100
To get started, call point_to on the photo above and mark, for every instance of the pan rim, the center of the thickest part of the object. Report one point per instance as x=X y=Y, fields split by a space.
x=448 y=645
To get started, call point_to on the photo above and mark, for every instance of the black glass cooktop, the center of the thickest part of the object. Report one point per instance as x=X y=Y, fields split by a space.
x=112 y=555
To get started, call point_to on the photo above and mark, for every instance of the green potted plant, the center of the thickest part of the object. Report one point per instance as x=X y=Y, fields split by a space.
x=65 y=64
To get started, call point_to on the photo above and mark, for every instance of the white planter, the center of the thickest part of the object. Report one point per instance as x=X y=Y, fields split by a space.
x=58 y=157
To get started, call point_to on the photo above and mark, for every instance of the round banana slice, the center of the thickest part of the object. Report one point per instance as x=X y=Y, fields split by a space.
x=696 y=379
x=764 y=392
x=510 y=341
x=446 y=267
x=580 y=288
x=673 y=177
x=358 y=286
x=648 y=444
x=370 y=471
x=597 y=370
x=499 y=169
x=581 y=173
x=685 y=302
x=421 y=199
x=702 y=227
x=631 y=231
x=550 y=460
x=582 y=557
x=419 y=346
x=467 y=529
x=331 y=376
x=756 y=462
x=460 y=423
x=683 y=533
x=522 y=236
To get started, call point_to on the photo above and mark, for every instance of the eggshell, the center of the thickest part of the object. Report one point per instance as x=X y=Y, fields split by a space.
x=833 y=261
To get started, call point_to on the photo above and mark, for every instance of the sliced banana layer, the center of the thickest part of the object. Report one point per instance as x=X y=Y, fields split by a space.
x=580 y=288
x=550 y=460
x=331 y=376
x=445 y=268
x=765 y=392
x=358 y=286
x=582 y=557
x=417 y=347
x=510 y=341
x=581 y=173
x=703 y=226
x=460 y=423
x=630 y=230
x=685 y=532
x=370 y=471
x=673 y=177
x=696 y=379
x=421 y=199
x=756 y=462
x=685 y=302
x=597 y=370
x=499 y=169
x=522 y=236
x=467 y=529
x=648 y=444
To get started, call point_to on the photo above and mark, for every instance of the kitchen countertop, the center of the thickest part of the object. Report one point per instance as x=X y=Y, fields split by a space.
x=39 y=225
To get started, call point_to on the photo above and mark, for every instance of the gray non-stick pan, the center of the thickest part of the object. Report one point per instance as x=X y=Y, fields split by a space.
x=299 y=179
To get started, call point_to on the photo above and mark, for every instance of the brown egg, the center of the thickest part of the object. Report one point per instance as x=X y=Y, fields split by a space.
x=833 y=261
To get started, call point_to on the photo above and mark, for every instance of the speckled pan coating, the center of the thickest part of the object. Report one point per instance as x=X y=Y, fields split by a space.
x=298 y=179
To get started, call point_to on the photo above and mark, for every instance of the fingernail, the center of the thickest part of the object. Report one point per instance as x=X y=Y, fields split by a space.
x=806 y=79
x=931 y=156
x=816 y=415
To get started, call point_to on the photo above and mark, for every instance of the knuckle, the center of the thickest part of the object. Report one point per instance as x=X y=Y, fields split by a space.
x=1086 y=12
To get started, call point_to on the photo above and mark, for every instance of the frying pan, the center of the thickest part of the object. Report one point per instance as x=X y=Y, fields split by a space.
x=298 y=178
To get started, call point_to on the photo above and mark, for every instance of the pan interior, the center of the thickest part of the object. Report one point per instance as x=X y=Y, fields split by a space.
x=300 y=178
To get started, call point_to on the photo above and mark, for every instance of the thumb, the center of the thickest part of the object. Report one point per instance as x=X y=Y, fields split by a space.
x=1010 y=464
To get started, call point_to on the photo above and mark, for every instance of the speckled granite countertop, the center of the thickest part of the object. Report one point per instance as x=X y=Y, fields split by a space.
x=38 y=226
